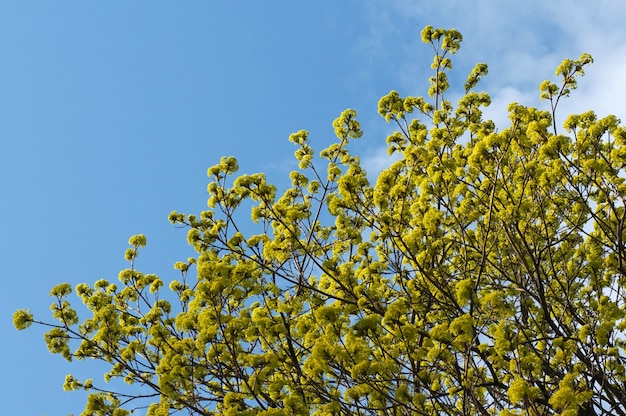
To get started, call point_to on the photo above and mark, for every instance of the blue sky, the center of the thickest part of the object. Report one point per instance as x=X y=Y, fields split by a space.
x=111 y=112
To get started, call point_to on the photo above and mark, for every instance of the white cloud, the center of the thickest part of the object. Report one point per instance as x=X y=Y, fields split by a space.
x=522 y=42
x=376 y=160
x=497 y=111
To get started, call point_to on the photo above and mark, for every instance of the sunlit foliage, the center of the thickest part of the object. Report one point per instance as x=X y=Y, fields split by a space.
x=481 y=274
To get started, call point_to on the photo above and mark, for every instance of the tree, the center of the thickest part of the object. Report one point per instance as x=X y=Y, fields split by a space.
x=483 y=273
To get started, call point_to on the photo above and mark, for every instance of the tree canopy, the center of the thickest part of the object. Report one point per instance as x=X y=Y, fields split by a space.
x=483 y=273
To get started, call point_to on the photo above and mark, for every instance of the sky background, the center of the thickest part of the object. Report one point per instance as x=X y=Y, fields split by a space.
x=111 y=113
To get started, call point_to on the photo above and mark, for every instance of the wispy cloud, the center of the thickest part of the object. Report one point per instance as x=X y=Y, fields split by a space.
x=375 y=160
x=522 y=42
